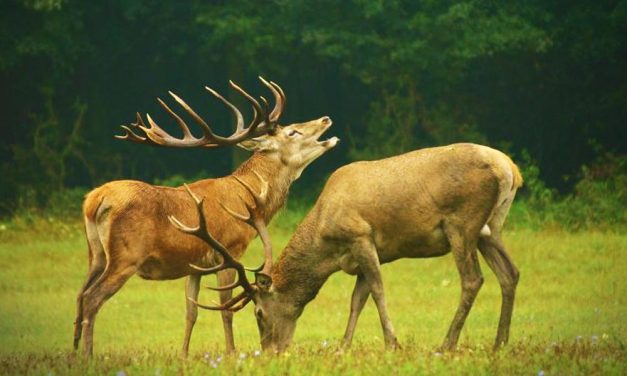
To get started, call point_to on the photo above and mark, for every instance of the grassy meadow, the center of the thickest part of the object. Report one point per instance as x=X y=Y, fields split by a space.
x=570 y=315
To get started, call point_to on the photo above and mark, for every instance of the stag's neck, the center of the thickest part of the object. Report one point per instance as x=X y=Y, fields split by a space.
x=304 y=266
x=278 y=176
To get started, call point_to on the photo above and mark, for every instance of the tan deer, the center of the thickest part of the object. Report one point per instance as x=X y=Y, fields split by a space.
x=425 y=203
x=128 y=233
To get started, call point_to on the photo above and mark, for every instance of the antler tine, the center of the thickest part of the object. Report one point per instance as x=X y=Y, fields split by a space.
x=256 y=220
x=129 y=134
x=261 y=123
x=211 y=270
x=201 y=232
x=258 y=110
x=261 y=197
x=243 y=296
x=186 y=133
x=279 y=97
x=206 y=129
x=239 y=126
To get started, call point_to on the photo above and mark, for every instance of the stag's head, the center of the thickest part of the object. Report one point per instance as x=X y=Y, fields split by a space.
x=295 y=145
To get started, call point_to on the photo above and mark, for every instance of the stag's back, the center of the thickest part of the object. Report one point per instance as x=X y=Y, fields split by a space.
x=402 y=201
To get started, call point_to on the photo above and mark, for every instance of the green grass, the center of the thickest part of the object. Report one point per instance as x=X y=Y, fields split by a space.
x=570 y=315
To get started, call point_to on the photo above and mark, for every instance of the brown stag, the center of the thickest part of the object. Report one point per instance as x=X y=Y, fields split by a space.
x=425 y=203
x=128 y=233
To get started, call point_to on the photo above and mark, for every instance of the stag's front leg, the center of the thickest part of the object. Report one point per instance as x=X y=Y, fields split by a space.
x=192 y=286
x=465 y=254
x=226 y=277
x=358 y=300
x=365 y=254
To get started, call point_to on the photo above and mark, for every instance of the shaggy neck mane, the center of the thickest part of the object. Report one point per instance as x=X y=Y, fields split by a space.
x=277 y=175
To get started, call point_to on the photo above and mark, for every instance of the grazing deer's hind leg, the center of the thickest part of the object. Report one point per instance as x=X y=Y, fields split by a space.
x=465 y=253
x=192 y=286
x=226 y=277
x=111 y=280
x=495 y=255
x=358 y=300
x=366 y=256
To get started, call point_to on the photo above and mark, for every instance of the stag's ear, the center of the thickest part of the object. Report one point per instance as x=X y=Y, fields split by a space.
x=258 y=144
x=263 y=281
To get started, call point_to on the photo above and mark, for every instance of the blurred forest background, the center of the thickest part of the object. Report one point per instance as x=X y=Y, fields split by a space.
x=545 y=81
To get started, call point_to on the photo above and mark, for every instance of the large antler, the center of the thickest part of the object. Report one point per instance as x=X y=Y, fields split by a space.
x=261 y=124
x=255 y=219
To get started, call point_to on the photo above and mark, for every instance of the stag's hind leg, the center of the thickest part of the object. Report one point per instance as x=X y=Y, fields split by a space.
x=506 y=272
x=365 y=253
x=94 y=272
x=111 y=280
x=97 y=264
x=358 y=300
x=464 y=249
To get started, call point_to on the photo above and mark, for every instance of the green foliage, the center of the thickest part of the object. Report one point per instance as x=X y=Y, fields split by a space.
x=598 y=200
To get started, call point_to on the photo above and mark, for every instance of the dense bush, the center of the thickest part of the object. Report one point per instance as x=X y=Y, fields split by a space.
x=598 y=200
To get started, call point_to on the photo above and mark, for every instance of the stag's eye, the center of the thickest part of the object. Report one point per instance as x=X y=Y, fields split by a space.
x=293 y=133
x=259 y=314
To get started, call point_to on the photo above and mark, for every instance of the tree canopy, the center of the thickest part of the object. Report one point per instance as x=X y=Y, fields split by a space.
x=549 y=78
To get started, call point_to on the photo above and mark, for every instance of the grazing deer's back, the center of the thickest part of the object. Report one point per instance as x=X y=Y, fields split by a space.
x=407 y=196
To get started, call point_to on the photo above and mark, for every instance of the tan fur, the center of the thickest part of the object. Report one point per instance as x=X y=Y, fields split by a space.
x=128 y=231
x=425 y=203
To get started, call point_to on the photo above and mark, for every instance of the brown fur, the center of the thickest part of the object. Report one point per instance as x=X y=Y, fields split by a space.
x=425 y=203
x=128 y=231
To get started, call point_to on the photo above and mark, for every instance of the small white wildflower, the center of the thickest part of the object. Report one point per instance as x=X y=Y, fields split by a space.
x=206 y=355
x=541 y=373
x=594 y=339
x=120 y=373
x=257 y=353
x=437 y=353
x=219 y=358
x=213 y=364
x=243 y=355
x=325 y=344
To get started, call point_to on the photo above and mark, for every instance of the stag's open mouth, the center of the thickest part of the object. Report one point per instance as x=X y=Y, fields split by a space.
x=331 y=142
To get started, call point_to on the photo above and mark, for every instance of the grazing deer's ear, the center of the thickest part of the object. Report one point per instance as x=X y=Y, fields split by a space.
x=263 y=281
x=258 y=144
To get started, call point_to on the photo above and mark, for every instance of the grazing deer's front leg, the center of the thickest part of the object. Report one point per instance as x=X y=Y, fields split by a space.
x=192 y=286
x=495 y=255
x=366 y=256
x=226 y=277
x=360 y=295
x=465 y=254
